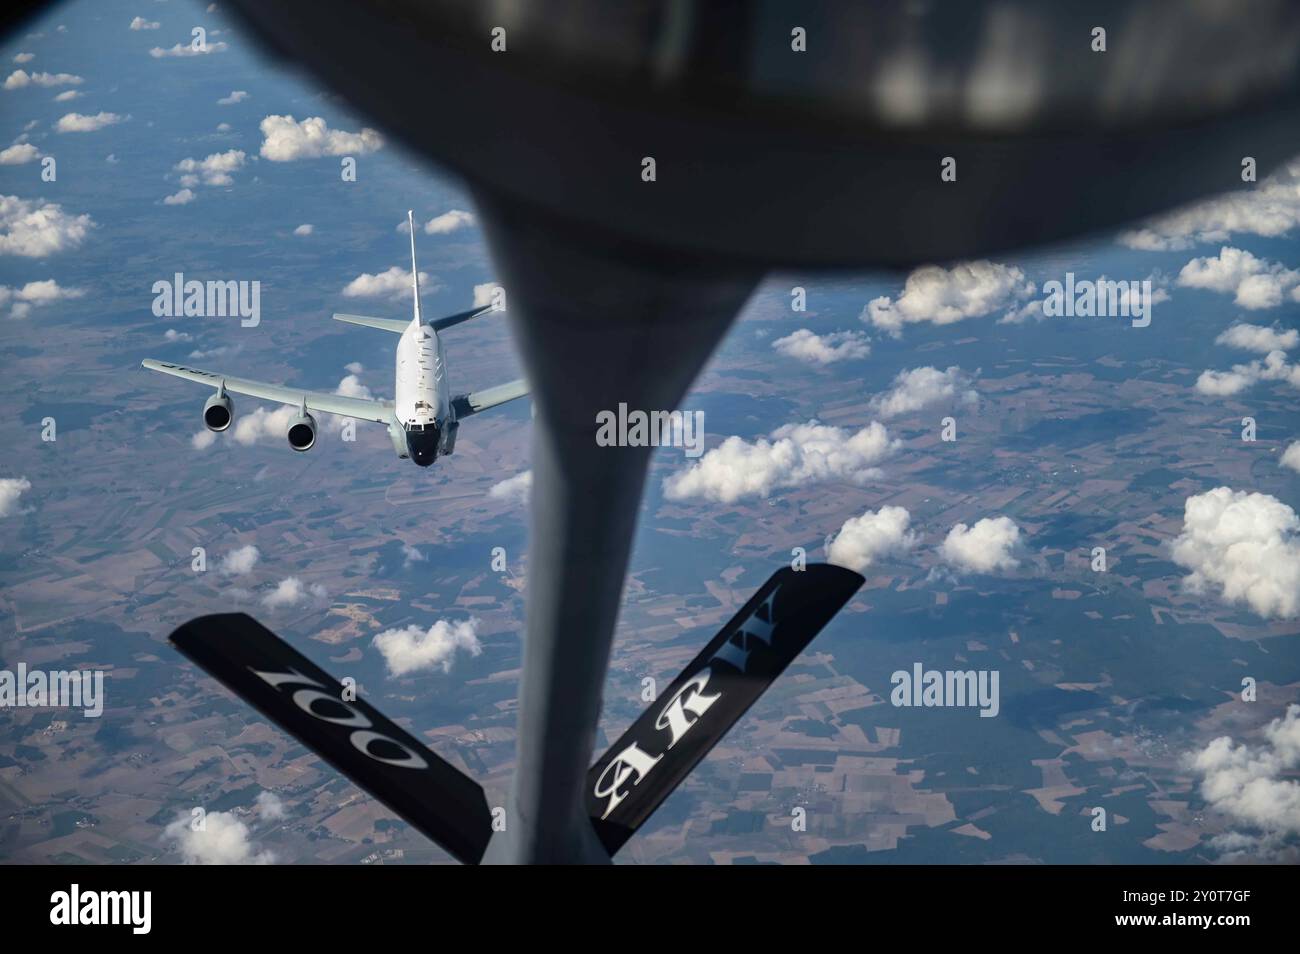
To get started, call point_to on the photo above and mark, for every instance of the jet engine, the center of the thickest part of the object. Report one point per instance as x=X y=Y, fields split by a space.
x=218 y=412
x=302 y=432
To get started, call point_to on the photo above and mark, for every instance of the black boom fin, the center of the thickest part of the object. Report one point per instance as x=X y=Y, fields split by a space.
x=369 y=748
x=670 y=738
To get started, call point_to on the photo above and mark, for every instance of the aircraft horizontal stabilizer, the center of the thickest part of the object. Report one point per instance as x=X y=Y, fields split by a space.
x=349 y=733
x=670 y=738
x=397 y=327
x=441 y=324
x=385 y=324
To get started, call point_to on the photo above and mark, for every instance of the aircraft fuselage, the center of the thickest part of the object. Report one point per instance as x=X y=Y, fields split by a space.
x=423 y=400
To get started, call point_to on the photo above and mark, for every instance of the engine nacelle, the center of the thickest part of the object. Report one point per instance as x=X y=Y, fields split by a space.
x=218 y=412
x=302 y=432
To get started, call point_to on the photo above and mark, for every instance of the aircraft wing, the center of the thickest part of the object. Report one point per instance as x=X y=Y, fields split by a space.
x=467 y=404
x=362 y=409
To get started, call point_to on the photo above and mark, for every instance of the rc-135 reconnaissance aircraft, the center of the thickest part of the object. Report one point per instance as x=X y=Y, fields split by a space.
x=422 y=419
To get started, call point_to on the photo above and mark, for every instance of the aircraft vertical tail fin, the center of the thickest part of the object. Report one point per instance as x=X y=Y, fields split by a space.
x=701 y=705
x=415 y=269
x=304 y=700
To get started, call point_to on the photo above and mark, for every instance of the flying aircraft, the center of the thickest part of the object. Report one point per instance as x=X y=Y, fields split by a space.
x=422 y=420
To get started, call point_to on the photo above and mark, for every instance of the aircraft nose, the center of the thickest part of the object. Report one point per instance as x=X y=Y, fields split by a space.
x=422 y=446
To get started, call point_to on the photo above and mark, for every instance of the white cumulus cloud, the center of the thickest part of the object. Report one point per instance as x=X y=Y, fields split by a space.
x=236 y=96
x=1248 y=337
x=792 y=455
x=291 y=591
x=986 y=547
x=270 y=807
x=394 y=283
x=19 y=79
x=18 y=154
x=943 y=296
x=251 y=428
x=1270 y=209
x=449 y=221
x=140 y=23
x=804 y=345
x=483 y=294
x=240 y=561
x=35 y=228
x=1291 y=456
x=351 y=385
x=1249 y=784
x=1243 y=547
x=34 y=294
x=77 y=123
x=921 y=387
x=1273 y=367
x=43 y=292
x=213 y=170
x=11 y=488
x=1255 y=282
x=514 y=489
x=862 y=540
x=411 y=649
x=187 y=49
x=222 y=839
x=285 y=139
